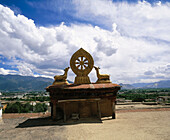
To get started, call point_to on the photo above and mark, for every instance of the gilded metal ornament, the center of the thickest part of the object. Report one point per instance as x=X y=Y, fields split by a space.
x=102 y=78
x=81 y=64
x=61 y=79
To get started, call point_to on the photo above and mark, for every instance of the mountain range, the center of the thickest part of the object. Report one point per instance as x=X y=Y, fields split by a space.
x=160 y=84
x=30 y=83
x=23 y=83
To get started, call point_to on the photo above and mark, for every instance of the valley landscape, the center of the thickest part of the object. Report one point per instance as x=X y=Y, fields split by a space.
x=30 y=83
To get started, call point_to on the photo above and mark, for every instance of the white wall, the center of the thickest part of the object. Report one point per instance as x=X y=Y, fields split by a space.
x=0 y=113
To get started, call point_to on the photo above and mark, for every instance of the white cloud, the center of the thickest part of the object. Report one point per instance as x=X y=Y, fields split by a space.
x=135 y=19
x=140 y=43
x=25 y=70
x=107 y=47
x=7 y=71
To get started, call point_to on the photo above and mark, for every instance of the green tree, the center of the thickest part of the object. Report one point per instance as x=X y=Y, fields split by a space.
x=18 y=108
x=27 y=108
x=40 y=107
x=13 y=108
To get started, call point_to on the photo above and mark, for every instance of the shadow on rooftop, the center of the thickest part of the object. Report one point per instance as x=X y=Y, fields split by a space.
x=35 y=122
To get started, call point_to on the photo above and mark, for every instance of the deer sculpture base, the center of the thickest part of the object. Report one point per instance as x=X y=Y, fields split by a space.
x=103 y=81
x=60 y=82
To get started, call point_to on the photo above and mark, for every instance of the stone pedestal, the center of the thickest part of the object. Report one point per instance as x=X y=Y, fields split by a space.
x=54 y=109
x=113 y=100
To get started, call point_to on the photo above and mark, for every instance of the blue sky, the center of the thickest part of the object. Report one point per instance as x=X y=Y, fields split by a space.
x=44 y=13
x=128 y=39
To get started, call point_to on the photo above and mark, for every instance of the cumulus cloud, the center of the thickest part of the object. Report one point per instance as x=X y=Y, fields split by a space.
x=135 y=19
x=6 y=71
x=136 y=45
x=105 y=46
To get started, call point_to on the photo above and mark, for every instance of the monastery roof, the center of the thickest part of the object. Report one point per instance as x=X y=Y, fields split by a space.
x=87 y=86
x=93 y=86
x=72 y=91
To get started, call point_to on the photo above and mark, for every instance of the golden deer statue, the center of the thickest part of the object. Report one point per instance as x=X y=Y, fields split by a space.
x=102 y=78
x=61 y=79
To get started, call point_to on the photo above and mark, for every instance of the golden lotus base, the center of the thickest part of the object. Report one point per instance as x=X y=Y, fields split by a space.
x=82 y=80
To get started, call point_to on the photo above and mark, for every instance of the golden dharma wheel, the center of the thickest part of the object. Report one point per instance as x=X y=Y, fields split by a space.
x=81 y=62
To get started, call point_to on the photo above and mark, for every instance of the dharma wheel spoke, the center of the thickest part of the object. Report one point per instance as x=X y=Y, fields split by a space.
x=85 y=66
x=81 y=63
x=78 y=66
x=85 y=59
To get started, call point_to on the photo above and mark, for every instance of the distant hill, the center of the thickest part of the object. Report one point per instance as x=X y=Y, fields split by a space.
x=126 y=86
x=160 y=84
x=139 y=85
x=23 y=83
x=30 y=83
